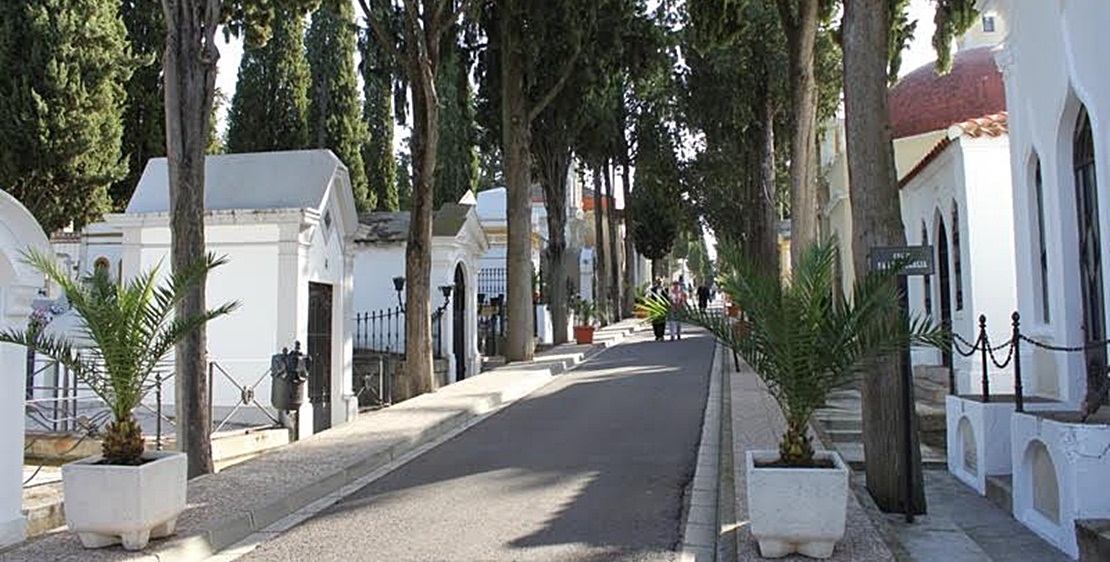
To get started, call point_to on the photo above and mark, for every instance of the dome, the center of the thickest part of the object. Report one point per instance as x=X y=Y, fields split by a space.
x=922 y=101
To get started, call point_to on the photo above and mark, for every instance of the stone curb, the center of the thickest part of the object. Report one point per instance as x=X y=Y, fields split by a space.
x=701 y=526
x=223 y=533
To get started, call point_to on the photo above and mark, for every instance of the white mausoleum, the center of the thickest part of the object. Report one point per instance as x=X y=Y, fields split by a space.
x=285 y=221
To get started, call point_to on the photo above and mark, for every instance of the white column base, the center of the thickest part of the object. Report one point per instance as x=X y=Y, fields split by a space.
x=13 y=531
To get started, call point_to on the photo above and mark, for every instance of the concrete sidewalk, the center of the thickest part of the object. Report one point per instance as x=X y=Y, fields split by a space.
x=227 y=507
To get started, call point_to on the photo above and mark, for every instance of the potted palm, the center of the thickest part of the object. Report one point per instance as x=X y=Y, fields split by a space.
x=803 y=339
x=584 y=313
x=127 y=494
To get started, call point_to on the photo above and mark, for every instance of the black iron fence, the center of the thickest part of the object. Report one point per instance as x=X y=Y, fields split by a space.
x=989 y=353
x=383 y=331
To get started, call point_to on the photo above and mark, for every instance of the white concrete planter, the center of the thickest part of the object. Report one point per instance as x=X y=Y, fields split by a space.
x=1060 y=474
x=977 y=440
x=107 y=504
x=797 y=509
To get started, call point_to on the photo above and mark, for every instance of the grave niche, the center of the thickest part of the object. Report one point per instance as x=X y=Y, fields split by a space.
x=969 y=447
x=1046 y=489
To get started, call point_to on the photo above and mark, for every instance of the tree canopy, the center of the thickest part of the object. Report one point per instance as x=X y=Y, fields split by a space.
x=62 y=97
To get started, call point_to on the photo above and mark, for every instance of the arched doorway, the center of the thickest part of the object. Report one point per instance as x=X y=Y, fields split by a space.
x=1090 y=257
x=944 y=285
x=458 y=329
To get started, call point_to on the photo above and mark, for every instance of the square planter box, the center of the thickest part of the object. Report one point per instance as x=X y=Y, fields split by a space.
x=797 y=509
x=108 y=504
x=978 y=443
x=1060 y=475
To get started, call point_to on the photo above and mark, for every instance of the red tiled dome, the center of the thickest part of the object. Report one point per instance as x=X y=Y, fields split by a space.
x=922 y=101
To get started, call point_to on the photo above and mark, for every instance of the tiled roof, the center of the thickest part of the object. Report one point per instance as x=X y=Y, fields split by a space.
x=994 y=125
x=922 y=101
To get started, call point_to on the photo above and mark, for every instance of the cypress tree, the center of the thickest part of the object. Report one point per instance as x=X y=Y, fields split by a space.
x=335 y=118
x=61 y=106
x=457 y=157
x=144 y=118
x=269 y=110
x=377 y=110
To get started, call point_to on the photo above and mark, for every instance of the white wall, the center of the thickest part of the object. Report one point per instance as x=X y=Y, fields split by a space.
x=18 y=286
x=271 y=259
x=973 y=174
x=1052 y=61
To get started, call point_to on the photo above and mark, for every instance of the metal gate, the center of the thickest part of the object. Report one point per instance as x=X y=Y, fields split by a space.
x=319 y=348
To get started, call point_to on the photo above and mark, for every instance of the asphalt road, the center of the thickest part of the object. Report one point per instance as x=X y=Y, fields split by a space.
x=591 y=467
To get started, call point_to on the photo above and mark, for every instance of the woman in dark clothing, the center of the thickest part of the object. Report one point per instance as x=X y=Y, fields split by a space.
x=659 y=326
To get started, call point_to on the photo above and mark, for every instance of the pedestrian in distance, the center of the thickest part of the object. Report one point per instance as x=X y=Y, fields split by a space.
x=703 y=297
x=678 y=302
x=659 y=291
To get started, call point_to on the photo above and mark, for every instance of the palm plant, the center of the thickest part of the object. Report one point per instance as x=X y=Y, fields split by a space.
x=133 y=327
x=585 y=310
x=803 y=338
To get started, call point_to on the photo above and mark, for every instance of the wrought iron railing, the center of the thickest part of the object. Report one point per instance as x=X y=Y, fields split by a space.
x=383 y=331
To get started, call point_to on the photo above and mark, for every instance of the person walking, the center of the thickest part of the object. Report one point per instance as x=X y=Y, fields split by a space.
x=703 y=297
x=657 y=290
x=678 y=302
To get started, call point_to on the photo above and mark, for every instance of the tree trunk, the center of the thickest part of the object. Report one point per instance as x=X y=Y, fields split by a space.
x=516 y=140
x=554 y=163
x=419 y=371
x=601 y=292
x=767 y=248
x=629 y=245
x=190 y=85
x=614 y=255
x=876 y=221
x=802 y=36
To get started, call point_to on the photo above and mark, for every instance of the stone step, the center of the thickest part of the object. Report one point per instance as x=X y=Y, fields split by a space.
x=835 y=423
x=852 y=453
x=1000 y=491
x=930 y=392
x=1093 y=536
x=845 y=435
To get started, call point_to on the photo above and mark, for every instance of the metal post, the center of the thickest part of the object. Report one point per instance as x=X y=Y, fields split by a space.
x=158 y=411
x=1019 y=398
x=985 y=343
x=907 y=403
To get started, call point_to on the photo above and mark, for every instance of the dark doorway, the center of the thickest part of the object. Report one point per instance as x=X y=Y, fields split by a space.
x=319 y=348
x=944 y=284
x=1090 y=258
x=458 y=328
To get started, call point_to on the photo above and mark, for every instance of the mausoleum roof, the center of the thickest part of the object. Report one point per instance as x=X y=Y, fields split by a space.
x=923 y=101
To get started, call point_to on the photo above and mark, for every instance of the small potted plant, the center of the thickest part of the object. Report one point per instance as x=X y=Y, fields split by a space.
x=584 y=314
x=641 y=292
x=803 y=339
x=127 y=494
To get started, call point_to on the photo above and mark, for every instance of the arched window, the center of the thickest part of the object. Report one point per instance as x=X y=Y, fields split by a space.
x=928 y=281
x=957 y=268
x=1090 y=244
x=1040 y=252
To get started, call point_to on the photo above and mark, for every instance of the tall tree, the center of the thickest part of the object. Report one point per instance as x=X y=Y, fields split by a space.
x=144 y=117
x=61 y=106
x=801 y=21
x=269 y=110
x=417 y=48
x=457 y=159
x=874 y=33
x=189 y=67
x=335 y=116
x=522 y=74
x=655 y=206
x=377 y=68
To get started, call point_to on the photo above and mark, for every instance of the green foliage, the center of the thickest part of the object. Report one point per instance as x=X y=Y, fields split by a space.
x=62 y=96
x=378 y=75
x=655 y=206
x=805 y=339
x=269 y=111
x=134 y=328
x=585 y=311
x=335 y=116
x=456 y=155
x=953 y=18
x=901 y=34
x=144 y=117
